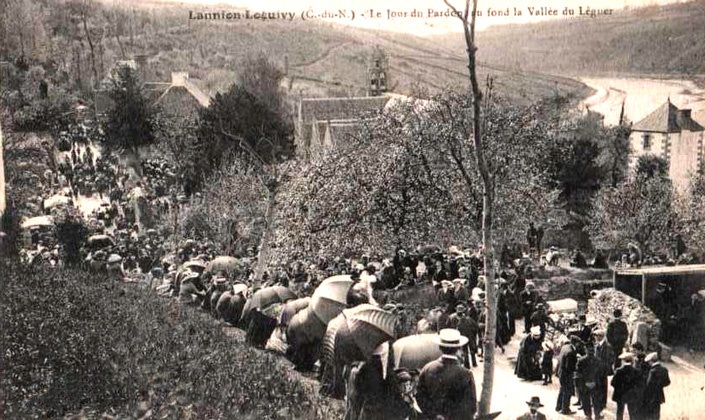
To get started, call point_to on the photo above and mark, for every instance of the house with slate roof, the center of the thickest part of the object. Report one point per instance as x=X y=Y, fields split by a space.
x=670 y=133
x=179 y=98
x=328 y=122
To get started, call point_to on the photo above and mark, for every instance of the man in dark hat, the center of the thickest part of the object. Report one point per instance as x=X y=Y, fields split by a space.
x=468 y=327
x=617 y=334
x=593 y=383
x=445 y=387
x=540 y=318
x=626 y=387
x=533 y=413
x=656 y=381
x=529 y=298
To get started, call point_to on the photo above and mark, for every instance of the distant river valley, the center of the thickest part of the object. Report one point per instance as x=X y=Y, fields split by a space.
x=641 y=96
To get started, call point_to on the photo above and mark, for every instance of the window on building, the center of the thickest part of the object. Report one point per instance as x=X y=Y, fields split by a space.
x=646 y=141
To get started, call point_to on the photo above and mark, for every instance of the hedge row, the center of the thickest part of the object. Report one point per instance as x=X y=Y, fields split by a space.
x=73 y=342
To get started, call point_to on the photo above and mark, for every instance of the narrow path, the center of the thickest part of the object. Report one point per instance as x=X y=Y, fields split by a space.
x=321 y=57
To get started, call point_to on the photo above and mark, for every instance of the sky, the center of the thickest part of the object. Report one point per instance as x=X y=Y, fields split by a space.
x=423 y=25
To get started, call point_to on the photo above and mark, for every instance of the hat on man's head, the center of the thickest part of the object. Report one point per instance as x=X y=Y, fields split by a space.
x=590 y=320
x=535 y=402
x=404 y=374
x=651 y=357
x=627 y=356
x=617 y=313
x=575 y=340
x=450 y=338
x=598 y=332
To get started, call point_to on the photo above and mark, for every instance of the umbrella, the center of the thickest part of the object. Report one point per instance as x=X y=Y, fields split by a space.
x=194 y=264
x=307 y=326
x=330 y=297
x=414 y=351
x=291 y=308
x=356 y=333
x=56 y=200
x=224 y=263
x=430 y=249
x=229 y=307
x=265 y=297
x=240 y=288
x=38 y=221
x=100 y=241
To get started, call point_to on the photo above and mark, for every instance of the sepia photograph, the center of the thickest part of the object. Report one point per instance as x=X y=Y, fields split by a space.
x=352 y=210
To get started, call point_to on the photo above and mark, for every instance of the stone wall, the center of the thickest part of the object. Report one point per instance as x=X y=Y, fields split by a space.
x=603 y=303
x=556 y=283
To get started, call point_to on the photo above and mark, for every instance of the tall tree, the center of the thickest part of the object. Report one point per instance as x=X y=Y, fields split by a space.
x=130 y=122
x=638 y=209
x=241 y=123
x=468 y=18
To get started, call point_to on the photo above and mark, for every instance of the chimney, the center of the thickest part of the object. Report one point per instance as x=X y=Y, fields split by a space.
x=683 y=117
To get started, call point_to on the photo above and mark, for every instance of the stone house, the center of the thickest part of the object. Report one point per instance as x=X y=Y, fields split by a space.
x=672 y=134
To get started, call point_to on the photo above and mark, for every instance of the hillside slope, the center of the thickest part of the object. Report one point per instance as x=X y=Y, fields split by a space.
x=322 y=58
x=653 y=40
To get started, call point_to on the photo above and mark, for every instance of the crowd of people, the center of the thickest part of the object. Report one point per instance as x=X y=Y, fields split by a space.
x=586 y=354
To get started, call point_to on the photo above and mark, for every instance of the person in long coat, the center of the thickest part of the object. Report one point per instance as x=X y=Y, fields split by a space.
x=604 y=350
x=626 y=387
x=372 y=390
x=656 y=381
x=528 y=366
x=469 y=328
x=445 y=387
x=540 y=318
x=593 y=383
x=529 y=298
x=567 y=360
x=617 y=334
x=503 y=330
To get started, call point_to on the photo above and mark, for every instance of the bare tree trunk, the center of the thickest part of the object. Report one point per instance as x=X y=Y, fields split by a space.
x=101 y=51
x=122 y=49
x=491 y=319
x=487 y=209
x=90 y=44
x=263 y=254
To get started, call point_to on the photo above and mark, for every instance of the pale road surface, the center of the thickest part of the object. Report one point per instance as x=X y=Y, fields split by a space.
x=641 y=96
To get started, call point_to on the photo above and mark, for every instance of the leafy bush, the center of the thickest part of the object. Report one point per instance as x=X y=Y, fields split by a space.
x=75 y=342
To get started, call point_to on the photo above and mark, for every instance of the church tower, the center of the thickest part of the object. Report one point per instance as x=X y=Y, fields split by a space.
x=377 y=73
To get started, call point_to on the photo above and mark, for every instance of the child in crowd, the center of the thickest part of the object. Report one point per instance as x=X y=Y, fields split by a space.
x=547 y=362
